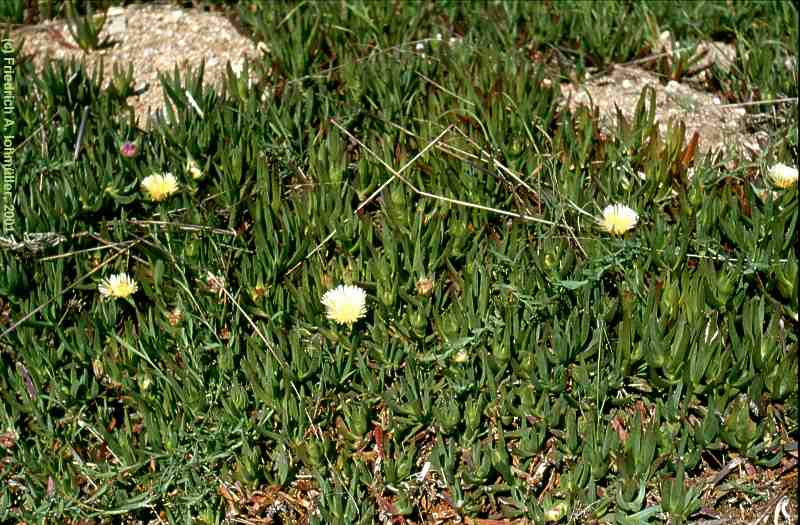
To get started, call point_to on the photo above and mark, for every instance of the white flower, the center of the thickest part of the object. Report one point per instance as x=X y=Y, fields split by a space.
x=782 y=176
x=345 y=304
x=618 y=218
x=117 y=286
x=420 y=46
x=159 y=186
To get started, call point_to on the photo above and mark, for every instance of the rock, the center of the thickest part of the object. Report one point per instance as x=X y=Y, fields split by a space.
x=116 y=21
x=719 y=53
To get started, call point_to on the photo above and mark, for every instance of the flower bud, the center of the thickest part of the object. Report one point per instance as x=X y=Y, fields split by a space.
x=128 y=149
x=358 y=420
x=472 y=414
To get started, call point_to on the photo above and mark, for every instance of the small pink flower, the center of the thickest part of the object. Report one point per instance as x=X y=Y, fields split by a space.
x=128 y=149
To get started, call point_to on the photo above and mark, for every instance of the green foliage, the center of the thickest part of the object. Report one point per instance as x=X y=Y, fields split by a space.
x=539 y=369
x=85 y=30
x=13 y=11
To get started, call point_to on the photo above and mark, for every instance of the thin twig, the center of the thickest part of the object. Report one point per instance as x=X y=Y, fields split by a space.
x=727 y=469
x=759 y=102
x=81 y=131
x=769 y=508
x=114 y=246
x=440 y=197
x=182 y=226
x=498 y=164
x=151 y=222
x=434 y=83
x=87 y=250
x=194 y=104
x=646 y=59
x=404 y=167
x=41 y=127
x=396 y=174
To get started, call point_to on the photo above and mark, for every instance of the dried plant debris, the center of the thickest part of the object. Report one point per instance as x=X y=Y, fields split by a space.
x=32 y=242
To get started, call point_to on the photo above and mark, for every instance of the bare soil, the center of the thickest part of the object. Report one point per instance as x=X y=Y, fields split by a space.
x=155 y=39
x=719 y=125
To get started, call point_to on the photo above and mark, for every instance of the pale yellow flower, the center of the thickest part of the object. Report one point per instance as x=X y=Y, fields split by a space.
x=345 y=304
x=159 y=186
x=117 y=286
x=193 y=169
x=782 y=176
x=618 y=218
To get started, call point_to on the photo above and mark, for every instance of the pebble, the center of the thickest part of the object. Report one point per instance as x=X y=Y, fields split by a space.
x=116 y=22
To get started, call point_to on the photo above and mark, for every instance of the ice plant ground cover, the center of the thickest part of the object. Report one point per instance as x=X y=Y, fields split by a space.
x=392 y=278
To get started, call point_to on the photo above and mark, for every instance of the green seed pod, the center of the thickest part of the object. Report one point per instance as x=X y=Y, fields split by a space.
x=670 y=297
x=448 y=415
x=448 y=326
x=403 y=504
x=609 y=308
x=501 y=352
x=190 y=249
x=239 y=397
x=405 y=463
x=473 y=413
x=387 y=296
x=726 y=285
x=358 y=420
x=787 y=280
x=418 y=320
x=314 y=453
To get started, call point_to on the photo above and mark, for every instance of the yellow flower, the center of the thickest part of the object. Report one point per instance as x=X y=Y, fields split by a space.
x=117 y=286
x=782 y=176
x=618 y=218
x=159 y=187
x=345 y=304
x=193 y=169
